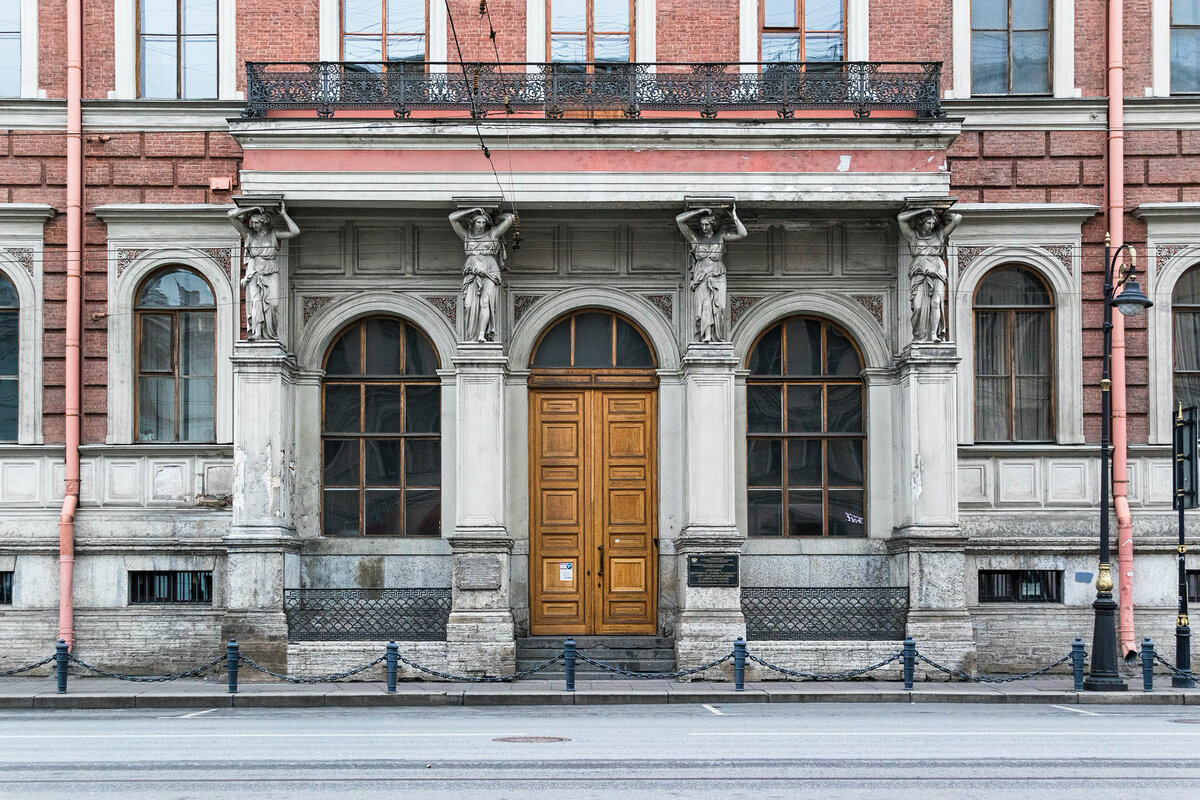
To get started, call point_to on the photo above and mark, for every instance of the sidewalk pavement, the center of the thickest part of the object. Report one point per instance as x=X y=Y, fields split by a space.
x=104 y=693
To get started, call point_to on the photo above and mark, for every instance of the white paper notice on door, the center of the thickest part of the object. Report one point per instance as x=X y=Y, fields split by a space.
x=566 y=571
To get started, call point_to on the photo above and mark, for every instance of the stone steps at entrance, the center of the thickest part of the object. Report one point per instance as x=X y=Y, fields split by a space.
x=634 y=653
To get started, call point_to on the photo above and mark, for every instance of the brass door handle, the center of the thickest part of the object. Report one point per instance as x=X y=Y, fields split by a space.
x=600 y=571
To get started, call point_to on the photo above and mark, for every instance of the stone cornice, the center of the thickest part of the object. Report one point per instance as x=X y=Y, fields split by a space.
x=1168 y=211
x=163 y=213
x=1009 y=213
x=25 y=213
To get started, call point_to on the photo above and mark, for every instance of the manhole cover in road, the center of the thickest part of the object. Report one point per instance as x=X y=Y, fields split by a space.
x=532 y=739
x=1189 y=721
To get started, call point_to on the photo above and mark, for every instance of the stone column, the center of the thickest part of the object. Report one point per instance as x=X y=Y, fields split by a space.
x=480 y=634
x=710 y=618
x=928 y=530
x=262 y=533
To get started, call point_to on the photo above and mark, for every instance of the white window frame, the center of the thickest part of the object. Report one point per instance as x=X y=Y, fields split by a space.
x=29 y=50
x=125 y=24
x=329 y=31
x=1015 y=234
x=21 y=227
x=1062 y=50
x=1171 y=241
x=858 y=17
x=136 y=237
x=645 y=46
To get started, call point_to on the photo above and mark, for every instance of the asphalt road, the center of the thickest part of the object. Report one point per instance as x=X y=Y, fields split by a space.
x=686 y=751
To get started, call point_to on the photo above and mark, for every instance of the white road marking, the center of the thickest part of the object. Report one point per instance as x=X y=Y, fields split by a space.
x=196 y=713
x=1079 y=711
x=944 y=733
x=235 y=735
x=716 y=711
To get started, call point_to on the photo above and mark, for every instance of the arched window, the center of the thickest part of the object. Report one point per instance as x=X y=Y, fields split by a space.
x=381 y=432
x=175 y=320
x=1014 y=357
x=806 y=443
x=9 y=355
x=1185 y=309
x=590 y=340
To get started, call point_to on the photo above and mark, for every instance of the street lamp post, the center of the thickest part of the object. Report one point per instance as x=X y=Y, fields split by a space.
x=1103 y=675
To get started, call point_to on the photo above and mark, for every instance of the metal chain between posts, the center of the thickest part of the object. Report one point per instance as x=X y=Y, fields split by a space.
x=449 y=676
x=1172 y=668
x=660 y=675
x=825 y=676
x=989 y=679
x=337 y=676
x=27 y=667
x=191 y=673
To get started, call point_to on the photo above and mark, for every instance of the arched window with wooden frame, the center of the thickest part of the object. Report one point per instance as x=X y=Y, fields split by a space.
x=381 y=432
x=385 y=30
x=802 y=30
x=1185 y=315
x=806 y=441
x=175 y=320
x=590 y=31
x=10 y=351
x=584 y=344
x=1014 y=357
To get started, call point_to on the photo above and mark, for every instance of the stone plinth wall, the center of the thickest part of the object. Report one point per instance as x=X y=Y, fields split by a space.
x=312 y=659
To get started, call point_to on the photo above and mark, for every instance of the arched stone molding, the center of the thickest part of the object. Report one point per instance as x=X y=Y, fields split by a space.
x=1067 y=333
x=637 y=309
x=332 y=317
x=28 y=283
x=1160 y=337
x=865 y=329
x=122 y=287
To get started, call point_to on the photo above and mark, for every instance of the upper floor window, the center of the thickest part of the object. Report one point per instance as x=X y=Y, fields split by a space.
x=1185 y=308
x=802 y=30
x=381 y=433
x=384 y=30
x=1010 y=46
x=175 y=329
x=590 y=31
x=1014 y=358
x=805 y=439
x=1185 y=45
x=177 y=49
x=9 y=351
x=10 y=48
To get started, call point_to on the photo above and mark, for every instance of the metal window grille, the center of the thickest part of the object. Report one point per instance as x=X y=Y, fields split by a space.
x=854 y=613
x=320 y=615
x=6 y=588
x=1020 y=586
x=1193 y=585
x=189 y=587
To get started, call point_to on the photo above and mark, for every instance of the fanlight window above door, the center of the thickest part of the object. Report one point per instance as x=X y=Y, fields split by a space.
x=590 y=340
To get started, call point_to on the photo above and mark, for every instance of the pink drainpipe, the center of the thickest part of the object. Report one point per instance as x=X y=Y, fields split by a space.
x=66 y=524
x=1116 y=228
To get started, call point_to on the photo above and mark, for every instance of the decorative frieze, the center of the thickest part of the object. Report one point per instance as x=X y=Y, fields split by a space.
x=1064 y=253
x=873 y=303
x=739 y=304
x=663 y=302
x=126 y=256
x=23 y=256
x=312 y=305
x=222 y=256
x=522 y=303
x=447 y=304
x=1165 y=252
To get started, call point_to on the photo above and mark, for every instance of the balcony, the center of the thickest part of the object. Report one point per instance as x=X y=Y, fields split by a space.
x=631 y=91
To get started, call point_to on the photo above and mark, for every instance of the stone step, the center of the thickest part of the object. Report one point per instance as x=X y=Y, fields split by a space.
x=633 y=653
x=586 y=642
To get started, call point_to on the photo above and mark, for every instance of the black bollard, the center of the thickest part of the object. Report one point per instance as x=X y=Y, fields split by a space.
x=1078 y=656
x=1147 y=665
x=910 y=661
x=739 y=665
x=569 y=663
x=61 y=662
x=393 y=656
x=231 y=664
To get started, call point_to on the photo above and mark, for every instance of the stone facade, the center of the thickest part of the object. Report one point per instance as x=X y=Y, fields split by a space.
x=597 y=200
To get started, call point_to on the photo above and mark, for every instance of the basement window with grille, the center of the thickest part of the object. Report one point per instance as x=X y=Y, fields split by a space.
x=188 y=587
x=1020 y=586
x=6 y=588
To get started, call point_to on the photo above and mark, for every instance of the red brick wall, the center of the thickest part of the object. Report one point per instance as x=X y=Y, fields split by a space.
x=689 y=31
x=507 y=18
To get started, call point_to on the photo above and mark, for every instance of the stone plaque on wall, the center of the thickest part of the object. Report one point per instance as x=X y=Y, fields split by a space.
x=477 y=572
x=713 y=570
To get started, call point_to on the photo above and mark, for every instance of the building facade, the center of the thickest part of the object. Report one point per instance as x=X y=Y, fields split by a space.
x=380 y=407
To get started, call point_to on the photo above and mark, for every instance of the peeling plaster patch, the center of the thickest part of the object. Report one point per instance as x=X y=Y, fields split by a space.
x=917 y=487
x=843 y=164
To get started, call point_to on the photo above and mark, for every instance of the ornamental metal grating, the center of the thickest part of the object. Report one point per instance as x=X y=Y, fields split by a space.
x=822 y=614
x=327 y=615
x=553 y=90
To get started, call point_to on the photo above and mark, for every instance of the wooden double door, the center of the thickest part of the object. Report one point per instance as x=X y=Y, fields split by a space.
x=593 y=546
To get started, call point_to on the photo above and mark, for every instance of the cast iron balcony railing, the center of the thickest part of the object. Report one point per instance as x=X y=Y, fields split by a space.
x=606 y=90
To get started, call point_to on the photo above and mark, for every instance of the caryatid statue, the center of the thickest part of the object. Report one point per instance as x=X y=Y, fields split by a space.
x=483 y=241
x=926 y=231
x=708 y=270
x=260 y=247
